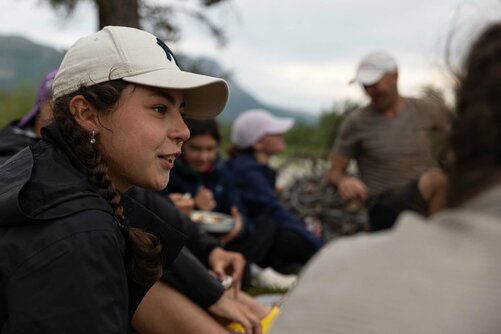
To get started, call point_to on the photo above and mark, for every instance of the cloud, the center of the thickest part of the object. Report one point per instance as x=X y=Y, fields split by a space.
x=294 y=53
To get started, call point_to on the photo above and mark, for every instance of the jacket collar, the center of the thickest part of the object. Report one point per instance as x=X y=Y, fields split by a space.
x=45 y=182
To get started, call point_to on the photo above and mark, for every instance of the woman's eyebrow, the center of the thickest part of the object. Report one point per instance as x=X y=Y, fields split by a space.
x=168 y=97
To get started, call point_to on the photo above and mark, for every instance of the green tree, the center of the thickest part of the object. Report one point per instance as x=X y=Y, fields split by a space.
x=316 y=140
x=159 y=19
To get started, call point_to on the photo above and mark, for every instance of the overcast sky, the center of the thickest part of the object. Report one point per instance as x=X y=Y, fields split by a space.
x=296 y=54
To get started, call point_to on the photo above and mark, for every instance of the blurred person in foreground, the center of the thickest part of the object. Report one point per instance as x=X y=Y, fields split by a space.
x=26 y=131
x=390 y=138
x=437 y=278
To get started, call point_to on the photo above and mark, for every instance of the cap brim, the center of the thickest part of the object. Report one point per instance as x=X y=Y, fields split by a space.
x=369 y=77
x=280 y=126
x=205 y=97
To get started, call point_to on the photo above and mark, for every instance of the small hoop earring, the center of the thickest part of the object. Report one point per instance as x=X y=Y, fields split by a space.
x=93 y=137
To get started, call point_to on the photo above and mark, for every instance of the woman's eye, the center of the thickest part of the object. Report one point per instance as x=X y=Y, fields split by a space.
x=160 y=109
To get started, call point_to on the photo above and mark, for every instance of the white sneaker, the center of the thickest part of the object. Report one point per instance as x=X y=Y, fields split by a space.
x=269 y=278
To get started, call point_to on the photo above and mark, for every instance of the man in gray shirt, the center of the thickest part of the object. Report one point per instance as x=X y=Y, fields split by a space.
x=389 y=138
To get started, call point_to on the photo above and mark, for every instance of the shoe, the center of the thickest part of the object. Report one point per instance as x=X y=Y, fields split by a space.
x=269 y=278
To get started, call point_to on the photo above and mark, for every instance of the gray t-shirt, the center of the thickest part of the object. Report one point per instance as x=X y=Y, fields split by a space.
x=391 y=151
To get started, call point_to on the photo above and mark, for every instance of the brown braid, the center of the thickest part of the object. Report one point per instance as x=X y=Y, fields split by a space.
x=146 y=263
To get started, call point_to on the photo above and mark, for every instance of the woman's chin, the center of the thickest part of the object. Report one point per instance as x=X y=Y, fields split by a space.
x=160 y=184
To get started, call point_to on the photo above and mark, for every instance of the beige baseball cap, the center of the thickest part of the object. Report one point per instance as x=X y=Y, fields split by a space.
x=373 y=66
x=138 y=57
x=252 y=125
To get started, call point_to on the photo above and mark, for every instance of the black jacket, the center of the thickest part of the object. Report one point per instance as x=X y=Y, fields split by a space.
x=62 y=253
x=13 y=140
x=187 y=274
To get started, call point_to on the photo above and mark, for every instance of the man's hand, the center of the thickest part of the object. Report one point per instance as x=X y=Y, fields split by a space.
x=352 y=189
x=224 y=263
x=234 y=311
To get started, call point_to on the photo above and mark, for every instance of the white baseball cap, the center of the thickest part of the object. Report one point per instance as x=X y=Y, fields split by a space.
x=137 y=57
x=373 y=66
x=251 y=125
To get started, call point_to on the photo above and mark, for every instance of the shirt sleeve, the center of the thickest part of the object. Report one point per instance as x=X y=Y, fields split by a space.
x=188 y=276
x=75 y=285
x=346 y=140
x=263 y=196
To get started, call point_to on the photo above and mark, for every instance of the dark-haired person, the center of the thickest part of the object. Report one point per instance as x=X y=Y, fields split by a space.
x=26 y=131
x=441 y=277
x=187 y=277
x=72 y=260
x=202 y=173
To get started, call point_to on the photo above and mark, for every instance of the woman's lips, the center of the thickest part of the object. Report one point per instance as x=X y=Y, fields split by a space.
x=167 y=161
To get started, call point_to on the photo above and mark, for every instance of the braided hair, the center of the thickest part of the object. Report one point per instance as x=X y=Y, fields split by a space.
x=145 y=265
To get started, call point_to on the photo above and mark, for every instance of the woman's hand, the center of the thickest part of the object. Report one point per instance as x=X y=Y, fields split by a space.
x=239 y=223
x=204 y=200
x=223 y=262
x=314 y=225
x=233 y=311
x=183 y=202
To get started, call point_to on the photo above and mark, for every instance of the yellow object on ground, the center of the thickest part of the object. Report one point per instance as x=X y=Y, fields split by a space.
x=266 y=323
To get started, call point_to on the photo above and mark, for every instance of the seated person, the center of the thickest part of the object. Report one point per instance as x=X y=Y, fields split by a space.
x=26 y=131
x=197 y=291
x=425 y=195
x=438 y=275
x=201 y=173
x=256 y=136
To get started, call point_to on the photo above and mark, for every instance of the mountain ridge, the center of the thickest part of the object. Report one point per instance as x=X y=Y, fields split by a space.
x=22 y=60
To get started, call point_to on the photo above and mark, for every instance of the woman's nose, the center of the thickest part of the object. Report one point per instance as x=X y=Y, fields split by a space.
x=180 y=131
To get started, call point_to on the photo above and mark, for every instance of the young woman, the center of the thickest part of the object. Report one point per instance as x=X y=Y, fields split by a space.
x=256 y=136
x=202 y=173
x=73 y=259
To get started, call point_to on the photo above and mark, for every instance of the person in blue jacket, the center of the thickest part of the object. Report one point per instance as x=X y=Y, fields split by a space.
x=202 y=173
x=256 y=136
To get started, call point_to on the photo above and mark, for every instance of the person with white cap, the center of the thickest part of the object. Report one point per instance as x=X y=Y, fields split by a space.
x=256 y=136
x=73 y=260
x=389 y=138
x=26 y=131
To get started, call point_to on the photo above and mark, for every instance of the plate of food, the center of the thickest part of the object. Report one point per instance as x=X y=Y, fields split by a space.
x=213 y=222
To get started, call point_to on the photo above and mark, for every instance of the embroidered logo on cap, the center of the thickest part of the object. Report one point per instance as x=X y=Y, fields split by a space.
x=168 y=52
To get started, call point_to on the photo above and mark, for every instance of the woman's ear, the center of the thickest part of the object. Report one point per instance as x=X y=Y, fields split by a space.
x=84 y=113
